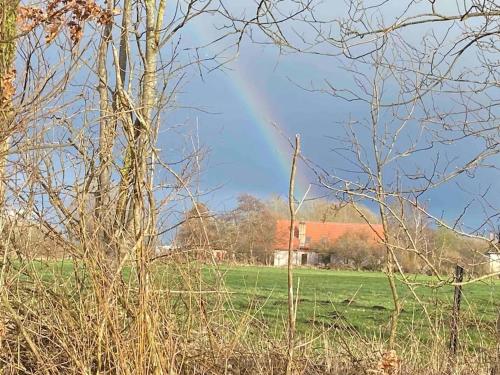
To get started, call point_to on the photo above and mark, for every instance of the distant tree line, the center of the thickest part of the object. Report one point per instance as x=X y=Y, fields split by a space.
x=247 y=233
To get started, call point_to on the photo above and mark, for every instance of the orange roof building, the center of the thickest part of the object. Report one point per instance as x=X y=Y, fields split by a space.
x=308 y=235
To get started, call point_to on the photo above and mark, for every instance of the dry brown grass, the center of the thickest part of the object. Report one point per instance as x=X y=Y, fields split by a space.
x=89 y=324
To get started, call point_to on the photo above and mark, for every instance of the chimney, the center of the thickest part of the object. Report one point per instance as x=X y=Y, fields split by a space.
x=302 y=234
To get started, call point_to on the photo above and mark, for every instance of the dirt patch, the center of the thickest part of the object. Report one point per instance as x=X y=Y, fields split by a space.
x=348 y=302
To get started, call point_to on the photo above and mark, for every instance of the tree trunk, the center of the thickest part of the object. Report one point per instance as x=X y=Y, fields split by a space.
x=7 y=74
x=143 y=132
x=106 y=140
x=291 y=305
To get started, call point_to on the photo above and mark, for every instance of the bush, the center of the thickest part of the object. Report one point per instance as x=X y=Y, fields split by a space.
x=356 y=251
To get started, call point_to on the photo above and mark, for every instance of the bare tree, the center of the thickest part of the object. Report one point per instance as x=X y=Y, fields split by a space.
x=88 y=168
x=292 y=306
x=426 y=74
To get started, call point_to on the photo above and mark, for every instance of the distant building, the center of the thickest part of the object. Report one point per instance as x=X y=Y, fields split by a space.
x=162 y=250
x=310 y=236
x=493 y=254
x=172 y=249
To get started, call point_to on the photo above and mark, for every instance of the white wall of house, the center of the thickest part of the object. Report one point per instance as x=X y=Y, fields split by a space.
x=494 y=263
x=163 y=249
x=299 y=258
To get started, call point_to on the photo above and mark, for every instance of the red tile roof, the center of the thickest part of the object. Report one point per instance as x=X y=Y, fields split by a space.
x=317 y=232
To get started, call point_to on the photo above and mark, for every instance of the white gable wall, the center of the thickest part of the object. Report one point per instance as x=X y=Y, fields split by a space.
x=311 y=258
x=494 y=264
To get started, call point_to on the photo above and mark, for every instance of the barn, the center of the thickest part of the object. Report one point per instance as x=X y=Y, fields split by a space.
x=308 y=237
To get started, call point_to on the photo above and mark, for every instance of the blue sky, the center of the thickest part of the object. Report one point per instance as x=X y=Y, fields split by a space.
x=233 y=110
x=243 y=158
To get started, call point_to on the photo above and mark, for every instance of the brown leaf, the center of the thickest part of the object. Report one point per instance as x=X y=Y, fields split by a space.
x=7 y=88
x=63 y=13
x=389 y=364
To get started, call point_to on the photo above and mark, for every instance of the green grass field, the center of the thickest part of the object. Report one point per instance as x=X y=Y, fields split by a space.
x=355 y=302
x=361 y=301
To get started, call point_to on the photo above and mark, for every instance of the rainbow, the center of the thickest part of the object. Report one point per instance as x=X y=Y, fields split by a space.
x=266 y=120
x=267 y=123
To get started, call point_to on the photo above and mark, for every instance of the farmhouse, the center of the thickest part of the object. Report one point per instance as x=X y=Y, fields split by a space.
x=310 y=236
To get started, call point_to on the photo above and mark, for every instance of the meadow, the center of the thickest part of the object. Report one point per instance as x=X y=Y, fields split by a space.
x=355 y=302
x=69 y=317
x=361 y=302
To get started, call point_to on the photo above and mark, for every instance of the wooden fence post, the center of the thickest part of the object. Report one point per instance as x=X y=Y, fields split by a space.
x=459 y=276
